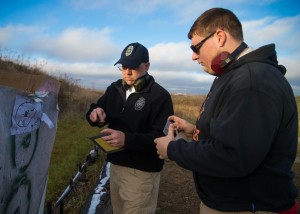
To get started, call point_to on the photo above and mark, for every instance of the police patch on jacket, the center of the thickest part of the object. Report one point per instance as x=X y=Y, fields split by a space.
x=140 y=103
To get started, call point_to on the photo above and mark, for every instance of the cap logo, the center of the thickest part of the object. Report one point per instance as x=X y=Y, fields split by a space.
x=129 y=50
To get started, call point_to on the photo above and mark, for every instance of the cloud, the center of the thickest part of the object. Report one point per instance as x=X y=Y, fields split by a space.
x=172 y=56
x=91 y=75
x=72 y=44
x=78 y=44
x=184 y=82
x=284 y=32
x=292 y=65
x=17 y=35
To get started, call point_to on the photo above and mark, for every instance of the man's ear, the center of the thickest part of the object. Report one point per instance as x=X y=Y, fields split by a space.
x=147 y=66
x=222 y=37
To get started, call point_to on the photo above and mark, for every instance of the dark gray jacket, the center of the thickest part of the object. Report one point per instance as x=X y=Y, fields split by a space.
x=247 y=138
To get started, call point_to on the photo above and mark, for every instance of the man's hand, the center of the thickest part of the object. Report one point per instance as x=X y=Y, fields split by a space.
x=98 y=114
x=115 y=137
x=182 y=125
x=163 y=142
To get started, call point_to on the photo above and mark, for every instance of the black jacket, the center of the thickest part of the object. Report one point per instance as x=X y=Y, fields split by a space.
x=247 y=138
x=141 y=117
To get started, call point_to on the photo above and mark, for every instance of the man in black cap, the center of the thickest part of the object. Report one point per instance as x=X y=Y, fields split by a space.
x=135 y=108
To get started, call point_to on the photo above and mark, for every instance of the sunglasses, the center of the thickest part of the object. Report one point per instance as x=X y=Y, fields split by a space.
x=196 y=48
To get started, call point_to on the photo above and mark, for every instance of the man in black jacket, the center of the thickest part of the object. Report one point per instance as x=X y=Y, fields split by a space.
x=136 y=109
x=245 y=139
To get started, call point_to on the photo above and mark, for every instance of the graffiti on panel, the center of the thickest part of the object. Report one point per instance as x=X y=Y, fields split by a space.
x=22 y=151
x=27 y=133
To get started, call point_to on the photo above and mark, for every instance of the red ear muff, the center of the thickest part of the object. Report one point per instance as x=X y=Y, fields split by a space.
x=221 y=61
x=217 y=61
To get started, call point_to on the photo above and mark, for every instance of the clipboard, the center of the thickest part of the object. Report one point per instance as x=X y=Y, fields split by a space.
x=103 y=145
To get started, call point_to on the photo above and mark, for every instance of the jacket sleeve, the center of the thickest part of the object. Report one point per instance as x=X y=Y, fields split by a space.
x=100 y=103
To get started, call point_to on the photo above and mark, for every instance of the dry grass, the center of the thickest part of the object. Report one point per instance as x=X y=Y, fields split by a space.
x=75 y=100
x=187 y=106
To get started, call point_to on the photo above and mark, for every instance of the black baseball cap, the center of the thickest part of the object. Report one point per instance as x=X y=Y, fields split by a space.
x=133 y=55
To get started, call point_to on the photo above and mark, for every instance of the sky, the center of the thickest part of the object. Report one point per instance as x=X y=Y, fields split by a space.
x=82 y=39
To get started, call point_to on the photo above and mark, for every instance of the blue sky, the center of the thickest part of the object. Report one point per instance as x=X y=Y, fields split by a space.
x=83 y=38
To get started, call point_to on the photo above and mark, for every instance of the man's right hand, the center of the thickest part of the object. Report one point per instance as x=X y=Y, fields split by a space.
x=98 y=115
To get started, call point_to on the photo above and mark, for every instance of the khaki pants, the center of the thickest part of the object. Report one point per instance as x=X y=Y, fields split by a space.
x=133 y=191
x=206 y=210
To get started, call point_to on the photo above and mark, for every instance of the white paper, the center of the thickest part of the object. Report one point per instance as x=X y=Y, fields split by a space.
x=26 y=115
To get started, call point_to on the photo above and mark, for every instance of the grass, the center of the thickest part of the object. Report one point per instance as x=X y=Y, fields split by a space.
x=187 y=106
x=70 y=150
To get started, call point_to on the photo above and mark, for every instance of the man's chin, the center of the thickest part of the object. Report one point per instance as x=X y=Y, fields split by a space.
x=130 y=83
x=208 y=70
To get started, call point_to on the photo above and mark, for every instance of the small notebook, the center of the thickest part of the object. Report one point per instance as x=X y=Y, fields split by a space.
x=103 y=145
